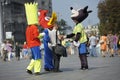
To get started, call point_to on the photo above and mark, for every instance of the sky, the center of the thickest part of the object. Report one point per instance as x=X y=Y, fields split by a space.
x=62 y=8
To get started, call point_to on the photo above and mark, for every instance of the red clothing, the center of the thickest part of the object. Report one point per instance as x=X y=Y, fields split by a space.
x=32 y=39
x=25 y=46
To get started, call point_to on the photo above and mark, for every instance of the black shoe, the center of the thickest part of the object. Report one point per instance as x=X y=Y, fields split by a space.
x=82 y=68
x=28 y=71
x=37 y=73
x=86 y=67
x=57 y=71
x=52 y=70
x=112 y=55
x=46 y=69
x=60 y=71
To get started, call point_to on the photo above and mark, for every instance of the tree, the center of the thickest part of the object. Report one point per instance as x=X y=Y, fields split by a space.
x=109 y=15
x=63 y=26
x=62 y=22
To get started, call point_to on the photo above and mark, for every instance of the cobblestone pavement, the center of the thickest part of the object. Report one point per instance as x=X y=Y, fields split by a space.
x=100 y=68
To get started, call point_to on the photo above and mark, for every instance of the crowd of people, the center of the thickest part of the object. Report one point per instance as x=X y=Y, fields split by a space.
x=105 y=45
x=8 y=51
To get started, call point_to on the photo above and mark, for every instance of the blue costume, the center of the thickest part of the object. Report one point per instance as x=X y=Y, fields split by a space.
x=48 y=56
x=47 y=22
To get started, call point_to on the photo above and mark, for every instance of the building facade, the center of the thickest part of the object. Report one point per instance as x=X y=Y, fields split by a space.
x=92 y=29
x=13 y=20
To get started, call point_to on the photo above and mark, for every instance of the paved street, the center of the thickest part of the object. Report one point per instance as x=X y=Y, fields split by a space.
x=99 y=69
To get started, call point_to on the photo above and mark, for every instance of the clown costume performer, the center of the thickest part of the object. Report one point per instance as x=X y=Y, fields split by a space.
x=80 y=36
x=47 y=23
x=32 y=38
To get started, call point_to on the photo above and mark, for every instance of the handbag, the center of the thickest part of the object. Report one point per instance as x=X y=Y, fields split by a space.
x=60 y=49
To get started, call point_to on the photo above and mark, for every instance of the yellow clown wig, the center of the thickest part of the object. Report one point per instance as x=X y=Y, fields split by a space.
x=31 y=13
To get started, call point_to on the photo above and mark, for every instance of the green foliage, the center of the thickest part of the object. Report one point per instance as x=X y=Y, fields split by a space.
x=109 y=15
x=62 y=22
x=63 y=27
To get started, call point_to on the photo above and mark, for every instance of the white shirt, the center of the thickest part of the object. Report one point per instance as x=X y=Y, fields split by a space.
x=3 y=46
x=92 y=40
x=52 y=34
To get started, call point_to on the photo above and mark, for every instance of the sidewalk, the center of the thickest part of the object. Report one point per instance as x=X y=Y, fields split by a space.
x=99 y=69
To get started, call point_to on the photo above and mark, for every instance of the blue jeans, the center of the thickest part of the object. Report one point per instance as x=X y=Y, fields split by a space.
x=93 y=51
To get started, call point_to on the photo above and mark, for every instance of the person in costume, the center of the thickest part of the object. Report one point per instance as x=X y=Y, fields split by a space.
x=32 y=38
x=80 y=36
x=48 y=55
x=47 y=23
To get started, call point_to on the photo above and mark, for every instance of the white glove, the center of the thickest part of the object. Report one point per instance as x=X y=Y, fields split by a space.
x=76 y=43
x=64 y=37
x=50 y=46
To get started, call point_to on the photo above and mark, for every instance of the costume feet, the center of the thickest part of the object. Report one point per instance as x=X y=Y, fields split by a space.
x=37 y=73
x=46 y=69
x=57 y=71
x=28 y=71
x=50 y=70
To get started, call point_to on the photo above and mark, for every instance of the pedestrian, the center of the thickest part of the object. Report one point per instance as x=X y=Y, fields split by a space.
x=9 y=49
x=4 y=51
x=103 y=45
x=115 y=38
x=98 y=50
x=92 y=45
x=25 y=50
x=110 y=44
x=80 y=36
x=118 y=44
x=17 y=51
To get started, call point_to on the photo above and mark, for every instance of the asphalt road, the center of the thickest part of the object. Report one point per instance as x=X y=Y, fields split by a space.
x=100 y=68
